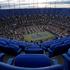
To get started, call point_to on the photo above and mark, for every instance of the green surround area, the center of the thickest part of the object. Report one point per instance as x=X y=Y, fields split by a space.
x=39 y=36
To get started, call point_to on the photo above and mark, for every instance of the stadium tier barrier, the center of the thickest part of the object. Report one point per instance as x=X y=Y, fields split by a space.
x=18 y=12
x=4 y=66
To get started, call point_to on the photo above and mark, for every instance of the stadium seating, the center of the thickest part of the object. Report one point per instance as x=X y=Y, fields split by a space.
x=32 y=60
x=10 y=48
x=45 y=45
x=58 y=49
x=66 y=58
x=34 y=56
x=1 y=56
x=33 y=24
x=34 y=49
x=16 y=53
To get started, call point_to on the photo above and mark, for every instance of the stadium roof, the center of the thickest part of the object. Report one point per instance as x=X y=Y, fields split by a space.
x=9 y=4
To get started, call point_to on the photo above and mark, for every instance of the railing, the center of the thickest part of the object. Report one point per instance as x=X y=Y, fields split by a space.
x=35 y=5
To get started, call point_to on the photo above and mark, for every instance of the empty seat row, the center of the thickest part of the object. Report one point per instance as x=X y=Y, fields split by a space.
x=35 y=62
x=34 y=49
x=15 y=47
x=58 y=49
x=32 y=62
x=10 y=48
x=57 y=46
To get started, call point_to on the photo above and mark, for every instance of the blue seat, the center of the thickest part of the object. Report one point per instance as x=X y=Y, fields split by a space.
x=21 y=44
x=67 y=42
x=46 y=45
x=34 y=49
x=32 y=60
x=10 y=48
x=13 y=49
x=3 y=42
x=65 y=38
x=58 y=49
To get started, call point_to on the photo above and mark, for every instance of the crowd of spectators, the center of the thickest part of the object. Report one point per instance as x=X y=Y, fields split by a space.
x=15 y=27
